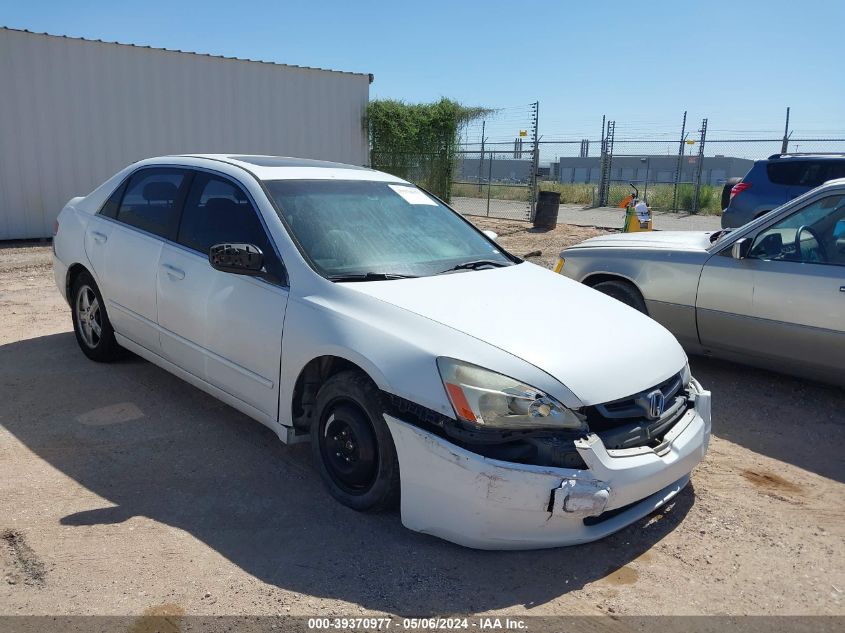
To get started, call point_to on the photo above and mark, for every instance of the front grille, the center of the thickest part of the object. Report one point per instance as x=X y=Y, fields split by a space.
x=626 y=423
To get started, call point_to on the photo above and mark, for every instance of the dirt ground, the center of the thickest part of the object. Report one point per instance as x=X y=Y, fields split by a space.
x=520 y=239
x=125 y=491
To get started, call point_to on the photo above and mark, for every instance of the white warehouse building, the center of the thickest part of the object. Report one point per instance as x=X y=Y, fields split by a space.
x=75 y=111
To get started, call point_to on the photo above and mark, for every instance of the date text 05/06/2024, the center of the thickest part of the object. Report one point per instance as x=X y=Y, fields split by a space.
x=425 y=624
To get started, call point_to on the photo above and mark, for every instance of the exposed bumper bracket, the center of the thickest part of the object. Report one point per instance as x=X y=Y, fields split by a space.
x=580 y=498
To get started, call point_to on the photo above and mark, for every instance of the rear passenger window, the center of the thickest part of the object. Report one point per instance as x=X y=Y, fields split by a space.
x=151 y=201
x=836 y=170
x=788 y=173
x=110 y=207
x=814 y=175
x=218 y=211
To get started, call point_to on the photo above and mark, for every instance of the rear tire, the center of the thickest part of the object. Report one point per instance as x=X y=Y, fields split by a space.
x=351 y=446
x=624 y=292
x=91 y=324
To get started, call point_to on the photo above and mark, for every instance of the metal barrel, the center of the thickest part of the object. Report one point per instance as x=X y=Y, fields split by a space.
x=548 y=204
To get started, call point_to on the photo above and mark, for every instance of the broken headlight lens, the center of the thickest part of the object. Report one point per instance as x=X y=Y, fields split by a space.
x=487 y=399
x=686 y=376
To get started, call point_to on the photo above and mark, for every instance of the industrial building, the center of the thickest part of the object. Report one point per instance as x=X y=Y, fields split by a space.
x=75 y=111
x=657 y=169
x=579 y=170
x=503 y=170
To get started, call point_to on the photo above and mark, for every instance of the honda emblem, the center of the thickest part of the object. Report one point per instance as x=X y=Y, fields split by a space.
x=656 y=403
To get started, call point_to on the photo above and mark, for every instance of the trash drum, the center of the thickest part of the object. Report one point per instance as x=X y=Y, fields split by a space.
x=548 y=205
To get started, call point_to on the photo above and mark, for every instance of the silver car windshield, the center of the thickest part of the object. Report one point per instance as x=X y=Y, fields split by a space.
x=378 y=230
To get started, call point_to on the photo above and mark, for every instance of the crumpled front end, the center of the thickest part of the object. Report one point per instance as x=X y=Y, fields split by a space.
x=476 y=501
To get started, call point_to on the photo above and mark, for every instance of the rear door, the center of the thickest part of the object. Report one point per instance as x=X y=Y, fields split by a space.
x=124 y=242
x=222 y=327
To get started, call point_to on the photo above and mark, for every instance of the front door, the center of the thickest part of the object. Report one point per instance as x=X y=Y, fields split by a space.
x=798 y=266
x=222 y=327
x=785 y=303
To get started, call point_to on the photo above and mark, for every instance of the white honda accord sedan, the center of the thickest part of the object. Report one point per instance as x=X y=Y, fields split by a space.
x=503 y=406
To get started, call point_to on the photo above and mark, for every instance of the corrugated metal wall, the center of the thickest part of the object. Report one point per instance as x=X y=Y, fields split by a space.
x=73 y=112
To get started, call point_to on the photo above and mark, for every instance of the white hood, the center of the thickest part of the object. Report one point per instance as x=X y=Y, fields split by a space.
x=674 y=240
x=597 y=347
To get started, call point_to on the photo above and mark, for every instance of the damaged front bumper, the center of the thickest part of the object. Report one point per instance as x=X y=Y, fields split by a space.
x=485 y=503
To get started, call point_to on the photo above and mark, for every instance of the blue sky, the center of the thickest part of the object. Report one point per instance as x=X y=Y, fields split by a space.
x=642 y=63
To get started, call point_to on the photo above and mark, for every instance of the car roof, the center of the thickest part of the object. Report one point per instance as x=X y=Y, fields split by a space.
x=801 y=157
x=290 y=168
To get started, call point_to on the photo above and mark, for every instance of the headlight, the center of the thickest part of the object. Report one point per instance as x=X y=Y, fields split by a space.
x=490 y=400
x=685 y=375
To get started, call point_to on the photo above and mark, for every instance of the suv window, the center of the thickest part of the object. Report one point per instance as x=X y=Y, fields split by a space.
x=815 y=234
x=151 y=201
x=217 y=211
x=805 y=173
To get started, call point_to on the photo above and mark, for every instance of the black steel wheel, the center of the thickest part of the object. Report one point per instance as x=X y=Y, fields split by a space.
x=351 y=446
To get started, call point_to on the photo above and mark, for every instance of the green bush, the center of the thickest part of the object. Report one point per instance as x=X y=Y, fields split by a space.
x=417 y=141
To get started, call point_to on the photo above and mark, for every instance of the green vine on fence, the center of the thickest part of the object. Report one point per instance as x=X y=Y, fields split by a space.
x=418 y=141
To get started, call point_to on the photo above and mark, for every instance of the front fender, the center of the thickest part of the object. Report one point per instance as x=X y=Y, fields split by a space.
x=397 y=348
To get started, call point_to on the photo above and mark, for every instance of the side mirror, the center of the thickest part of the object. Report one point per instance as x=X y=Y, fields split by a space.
x=741 y=248
x=240 y=259
x=491 y=234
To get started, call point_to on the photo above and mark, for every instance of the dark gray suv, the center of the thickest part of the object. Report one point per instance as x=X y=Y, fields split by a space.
x=777 y=180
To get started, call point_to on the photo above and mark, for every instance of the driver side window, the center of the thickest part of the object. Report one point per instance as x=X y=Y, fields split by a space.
x=814 y=234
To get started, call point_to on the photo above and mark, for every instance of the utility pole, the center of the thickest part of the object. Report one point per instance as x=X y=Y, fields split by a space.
x=679 y=163
x=699 y=166
x=535 y=161
x=481 y=158
x=785 y=145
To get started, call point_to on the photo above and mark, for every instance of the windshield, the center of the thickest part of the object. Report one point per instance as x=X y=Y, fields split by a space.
x=349 y=228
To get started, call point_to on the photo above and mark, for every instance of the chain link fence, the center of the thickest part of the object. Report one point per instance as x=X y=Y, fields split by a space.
x=495 y=177
x=501 y=163
x=432 y=171
x=688 y=173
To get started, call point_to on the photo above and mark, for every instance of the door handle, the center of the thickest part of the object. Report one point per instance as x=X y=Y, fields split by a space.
x=841 y=288
x=173 y=272
x=100 y=238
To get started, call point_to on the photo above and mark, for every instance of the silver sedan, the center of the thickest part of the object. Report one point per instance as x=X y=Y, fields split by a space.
x=771 y=293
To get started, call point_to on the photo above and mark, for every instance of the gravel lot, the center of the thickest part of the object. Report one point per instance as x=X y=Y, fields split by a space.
x=125 y=491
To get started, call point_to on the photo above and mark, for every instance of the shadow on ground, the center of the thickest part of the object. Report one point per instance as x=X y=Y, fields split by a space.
x=796 y=421
x=155 y=447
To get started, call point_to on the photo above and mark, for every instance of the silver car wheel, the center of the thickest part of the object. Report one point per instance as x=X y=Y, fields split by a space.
x=89 y=318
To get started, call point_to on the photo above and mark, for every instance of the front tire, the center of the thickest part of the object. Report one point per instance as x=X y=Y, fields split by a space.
x=624 y=292
x=91 y=324
x=351 y=445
